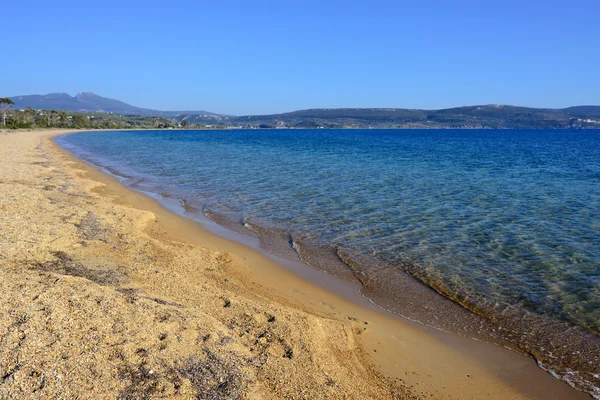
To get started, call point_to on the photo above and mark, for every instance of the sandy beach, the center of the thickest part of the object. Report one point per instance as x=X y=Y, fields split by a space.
x=106 y=294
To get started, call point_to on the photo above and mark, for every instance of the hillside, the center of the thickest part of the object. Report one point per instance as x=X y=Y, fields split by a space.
x=486 y=116
x=90 y=102
x=483 y=116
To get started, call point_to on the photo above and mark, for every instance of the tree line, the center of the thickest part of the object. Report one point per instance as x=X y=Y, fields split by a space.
x=30 y=118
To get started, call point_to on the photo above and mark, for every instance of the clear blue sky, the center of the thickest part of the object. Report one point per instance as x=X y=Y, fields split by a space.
x=252 y=57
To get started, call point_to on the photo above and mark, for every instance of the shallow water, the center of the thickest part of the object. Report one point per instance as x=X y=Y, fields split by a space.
x=507 y=223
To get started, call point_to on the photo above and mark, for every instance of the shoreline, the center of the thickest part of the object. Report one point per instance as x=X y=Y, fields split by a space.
x=326 y=280
x=409 y=295
x=346 y=290
x=441 y=364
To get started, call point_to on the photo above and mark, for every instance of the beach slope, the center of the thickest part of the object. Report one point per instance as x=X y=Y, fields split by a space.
x=104 y=294
x=95 y=302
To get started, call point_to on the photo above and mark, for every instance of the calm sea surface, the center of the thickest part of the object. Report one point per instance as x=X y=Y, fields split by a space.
x=506 y=223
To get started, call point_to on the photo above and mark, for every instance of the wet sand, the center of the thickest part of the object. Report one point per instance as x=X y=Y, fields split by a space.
x=105 y=292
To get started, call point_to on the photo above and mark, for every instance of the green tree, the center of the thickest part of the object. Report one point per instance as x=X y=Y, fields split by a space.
x=41 y=121
x=27 y=117
x=53 y=118
x=47 y=119
x=5 y=105
x=63 y=117
x=16 y=119
x=81 y=121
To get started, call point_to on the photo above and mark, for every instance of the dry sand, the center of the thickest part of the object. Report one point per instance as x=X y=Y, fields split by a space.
x=105 y=294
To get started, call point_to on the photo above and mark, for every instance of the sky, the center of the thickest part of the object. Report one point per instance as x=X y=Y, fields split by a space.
x=262 y=57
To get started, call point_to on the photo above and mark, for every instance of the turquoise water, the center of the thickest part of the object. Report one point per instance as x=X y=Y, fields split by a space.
x=507 y=223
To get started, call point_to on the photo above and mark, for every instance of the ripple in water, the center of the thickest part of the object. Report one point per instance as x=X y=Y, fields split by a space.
x=506 y=223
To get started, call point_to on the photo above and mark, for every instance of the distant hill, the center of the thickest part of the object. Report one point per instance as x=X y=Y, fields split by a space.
x=483 y=116
x=90 y=102
x=583 y=111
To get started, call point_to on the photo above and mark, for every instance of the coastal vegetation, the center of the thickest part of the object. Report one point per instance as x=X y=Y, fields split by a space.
x=90 y=111
x=5 y=105
x=30 y=118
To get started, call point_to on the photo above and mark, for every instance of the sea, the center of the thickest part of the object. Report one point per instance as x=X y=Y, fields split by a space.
x=490 y=234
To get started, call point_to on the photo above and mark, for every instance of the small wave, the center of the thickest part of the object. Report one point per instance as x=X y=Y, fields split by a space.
x=574 y=379
x=409 y=287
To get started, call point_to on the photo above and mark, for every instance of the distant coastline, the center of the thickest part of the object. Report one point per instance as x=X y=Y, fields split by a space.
x=90 y=111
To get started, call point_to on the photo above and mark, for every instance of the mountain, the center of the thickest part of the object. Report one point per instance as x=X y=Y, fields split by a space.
x=584 y=111
x=482 y=116
x=90 y=102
